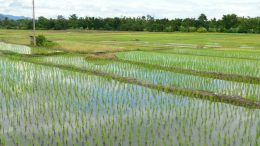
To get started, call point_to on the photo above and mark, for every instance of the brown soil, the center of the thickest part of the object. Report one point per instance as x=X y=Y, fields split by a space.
x=101 y=55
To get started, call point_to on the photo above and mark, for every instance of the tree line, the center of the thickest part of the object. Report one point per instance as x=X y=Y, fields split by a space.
x=228 y=23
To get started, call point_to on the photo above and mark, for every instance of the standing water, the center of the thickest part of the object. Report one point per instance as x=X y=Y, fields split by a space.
x=15 y=48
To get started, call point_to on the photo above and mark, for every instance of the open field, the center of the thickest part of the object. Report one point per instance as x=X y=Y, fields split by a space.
x=98 y=41
x=130 y=88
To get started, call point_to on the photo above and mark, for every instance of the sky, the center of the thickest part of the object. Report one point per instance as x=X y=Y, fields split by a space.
x=117 y=8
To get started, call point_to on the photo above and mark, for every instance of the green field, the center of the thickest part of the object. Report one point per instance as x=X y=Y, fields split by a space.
x=130 y=88
x=95 y=41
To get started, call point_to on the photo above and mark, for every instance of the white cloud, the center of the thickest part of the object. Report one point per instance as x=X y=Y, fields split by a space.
x=111 y=8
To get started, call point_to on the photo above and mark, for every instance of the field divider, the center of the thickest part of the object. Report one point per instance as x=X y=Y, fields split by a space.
x=214 y=75
x=200 y=94
x=33 y=55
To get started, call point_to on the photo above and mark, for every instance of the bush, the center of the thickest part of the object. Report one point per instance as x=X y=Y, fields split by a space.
x=168 y=29
x=234 y=30
x=212 y=29
x=202 y=29
x=183 y=29
x=41 y=41
x=221 y=29
x=192 y=29
x=252 y=31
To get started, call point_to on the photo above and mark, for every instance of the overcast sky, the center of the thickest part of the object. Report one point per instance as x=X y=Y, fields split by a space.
x=110 y=8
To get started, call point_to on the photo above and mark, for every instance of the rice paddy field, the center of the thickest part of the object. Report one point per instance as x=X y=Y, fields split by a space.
x=130 y=88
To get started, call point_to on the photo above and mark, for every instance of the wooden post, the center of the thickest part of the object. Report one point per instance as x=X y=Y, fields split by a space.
x=34 y=33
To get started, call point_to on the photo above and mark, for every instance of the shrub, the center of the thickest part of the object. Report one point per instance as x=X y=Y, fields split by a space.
x=42 y=41
x=168 y=29
x=252 y=31
x=202 y=29
x=183 y=29
x=234 y=30
x=192 y=29
x=212 y=29
x=221 y=29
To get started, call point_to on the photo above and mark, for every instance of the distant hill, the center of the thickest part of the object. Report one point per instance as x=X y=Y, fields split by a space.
x=3 y=16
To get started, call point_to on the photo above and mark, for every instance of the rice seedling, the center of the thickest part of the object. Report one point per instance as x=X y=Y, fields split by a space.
x=41 y=105
x=165 y=78
x=199 y=63
x=50 y=94
x=249 y=54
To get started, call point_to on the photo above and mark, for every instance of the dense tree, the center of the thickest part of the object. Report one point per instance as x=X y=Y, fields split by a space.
x=44 y=23
x=61 y=23
x=203 y=21
x=73 y=21
x=228 y=23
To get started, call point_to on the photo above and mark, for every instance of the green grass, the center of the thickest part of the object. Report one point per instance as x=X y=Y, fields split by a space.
x=96 y=41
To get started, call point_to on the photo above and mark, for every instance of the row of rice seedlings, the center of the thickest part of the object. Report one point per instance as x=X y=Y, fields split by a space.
x=15 y=48
x=164 y=78
x=228 y=53
x=199 y=63
x=48 y=106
